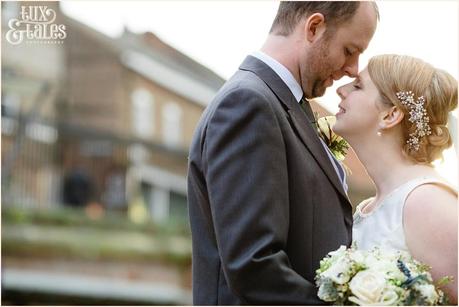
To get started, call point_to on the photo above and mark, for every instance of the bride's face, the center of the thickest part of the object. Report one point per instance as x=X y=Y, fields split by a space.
x=358 y=109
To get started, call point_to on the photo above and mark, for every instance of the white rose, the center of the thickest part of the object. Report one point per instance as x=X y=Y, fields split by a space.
x=428 y=291
x=388 y=297
x=369 y=287
x=340 y=252
x=358 y=256
x=371 y=261
x=384 y=261
x=338 y=272
x=326 y=123
x=389 y=268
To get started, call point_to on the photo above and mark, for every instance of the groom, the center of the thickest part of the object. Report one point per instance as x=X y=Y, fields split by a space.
x=266 y=198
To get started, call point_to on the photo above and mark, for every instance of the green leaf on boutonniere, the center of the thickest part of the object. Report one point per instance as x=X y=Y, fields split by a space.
x=337 y=145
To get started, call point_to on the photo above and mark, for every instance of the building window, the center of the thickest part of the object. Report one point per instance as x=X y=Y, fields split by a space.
x=161 y=194
x=11 y=104
x=41 y=133
x=143 y=113
x=172 y=124
x=178 y=210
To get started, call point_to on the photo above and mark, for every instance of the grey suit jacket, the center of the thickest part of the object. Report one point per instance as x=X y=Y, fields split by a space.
x=265 y=203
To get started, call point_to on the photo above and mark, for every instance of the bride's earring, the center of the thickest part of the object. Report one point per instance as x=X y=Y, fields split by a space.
x=379 y=133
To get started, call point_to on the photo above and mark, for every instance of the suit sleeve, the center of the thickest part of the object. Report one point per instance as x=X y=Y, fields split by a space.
x=246 y=172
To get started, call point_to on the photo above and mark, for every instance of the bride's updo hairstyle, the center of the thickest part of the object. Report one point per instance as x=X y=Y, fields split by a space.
x=432 y=94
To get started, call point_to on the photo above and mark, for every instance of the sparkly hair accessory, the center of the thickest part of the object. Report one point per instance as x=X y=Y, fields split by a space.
x=418 y=116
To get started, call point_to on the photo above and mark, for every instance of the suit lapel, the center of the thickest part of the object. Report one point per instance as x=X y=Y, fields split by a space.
x=299 y=119
x=310 y=139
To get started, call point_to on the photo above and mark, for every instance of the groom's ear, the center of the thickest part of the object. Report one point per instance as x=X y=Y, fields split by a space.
x=314 y=27
x=391 y=117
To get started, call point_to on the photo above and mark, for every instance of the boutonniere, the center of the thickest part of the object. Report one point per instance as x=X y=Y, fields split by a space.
x=337 y=145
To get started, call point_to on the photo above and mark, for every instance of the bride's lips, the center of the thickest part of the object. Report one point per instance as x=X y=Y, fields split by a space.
x=341 y=110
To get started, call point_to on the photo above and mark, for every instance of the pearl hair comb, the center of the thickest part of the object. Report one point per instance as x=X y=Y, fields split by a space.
x=418 y=116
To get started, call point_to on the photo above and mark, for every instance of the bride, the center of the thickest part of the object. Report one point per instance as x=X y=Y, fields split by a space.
x=394 y=116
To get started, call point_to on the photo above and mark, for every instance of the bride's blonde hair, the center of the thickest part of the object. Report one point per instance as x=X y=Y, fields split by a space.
x=394 y=73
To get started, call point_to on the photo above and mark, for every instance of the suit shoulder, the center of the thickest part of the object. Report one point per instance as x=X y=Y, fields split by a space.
x=238 y=90
x=244 y=82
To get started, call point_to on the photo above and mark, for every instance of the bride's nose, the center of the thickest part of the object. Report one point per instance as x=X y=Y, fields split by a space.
x=341 y=92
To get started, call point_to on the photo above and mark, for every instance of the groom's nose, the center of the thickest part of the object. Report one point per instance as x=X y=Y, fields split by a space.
x=351 y=68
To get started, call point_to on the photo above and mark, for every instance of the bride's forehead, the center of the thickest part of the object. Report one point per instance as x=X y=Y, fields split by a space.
x=363 y=76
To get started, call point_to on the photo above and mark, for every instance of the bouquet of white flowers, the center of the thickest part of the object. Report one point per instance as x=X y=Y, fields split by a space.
x=349 y=276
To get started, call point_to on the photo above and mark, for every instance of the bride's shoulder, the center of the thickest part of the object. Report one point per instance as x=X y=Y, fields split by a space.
x=430 y=218
x=433 y=198
x=431 y=188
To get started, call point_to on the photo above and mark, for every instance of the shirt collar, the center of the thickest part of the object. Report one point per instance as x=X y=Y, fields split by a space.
x=283 y=73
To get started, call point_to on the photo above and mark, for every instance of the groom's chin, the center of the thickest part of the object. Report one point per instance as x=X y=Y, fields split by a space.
x=320 y=86
x=319 y=91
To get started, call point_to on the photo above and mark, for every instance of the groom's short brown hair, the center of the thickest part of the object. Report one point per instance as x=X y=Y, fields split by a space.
x=291 y=12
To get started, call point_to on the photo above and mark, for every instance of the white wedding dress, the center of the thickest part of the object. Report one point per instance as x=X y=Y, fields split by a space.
x=383 y=225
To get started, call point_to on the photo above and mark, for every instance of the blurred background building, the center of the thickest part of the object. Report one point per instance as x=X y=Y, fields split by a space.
x=95 y=135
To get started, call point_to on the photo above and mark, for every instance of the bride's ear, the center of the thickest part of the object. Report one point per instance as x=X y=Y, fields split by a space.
x=391 y=117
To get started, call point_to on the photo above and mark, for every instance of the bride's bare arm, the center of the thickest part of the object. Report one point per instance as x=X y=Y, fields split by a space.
x=430 y=224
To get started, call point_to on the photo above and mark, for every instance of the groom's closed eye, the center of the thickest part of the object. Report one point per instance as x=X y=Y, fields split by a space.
x=347 y=52
x=350 y=51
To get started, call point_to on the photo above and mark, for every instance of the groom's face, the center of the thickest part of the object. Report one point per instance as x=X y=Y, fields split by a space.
x=337 y=52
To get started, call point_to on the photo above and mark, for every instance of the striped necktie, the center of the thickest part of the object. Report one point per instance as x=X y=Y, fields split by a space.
x=306 y=107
